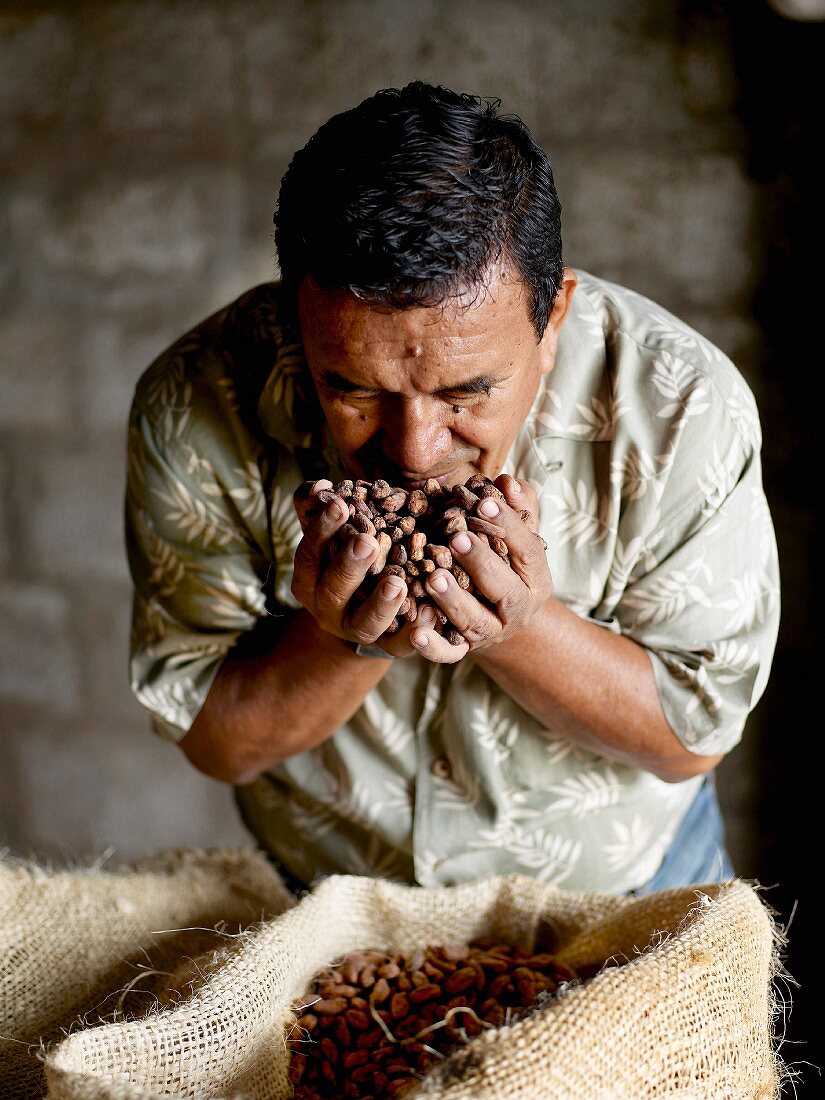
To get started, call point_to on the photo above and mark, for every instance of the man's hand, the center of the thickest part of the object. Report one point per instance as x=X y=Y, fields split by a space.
x=513 y=593
x=326 y=588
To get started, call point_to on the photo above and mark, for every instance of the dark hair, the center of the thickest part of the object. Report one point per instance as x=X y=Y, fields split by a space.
x=408 y=198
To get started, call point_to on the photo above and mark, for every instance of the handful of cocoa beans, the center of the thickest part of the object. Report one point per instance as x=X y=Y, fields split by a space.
x=375 y=1023
x=412 y=530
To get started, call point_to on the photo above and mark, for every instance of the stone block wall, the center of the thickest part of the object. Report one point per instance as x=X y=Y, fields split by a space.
x=142 y=145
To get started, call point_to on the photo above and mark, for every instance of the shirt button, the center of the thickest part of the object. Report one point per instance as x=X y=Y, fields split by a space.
x=440 y=768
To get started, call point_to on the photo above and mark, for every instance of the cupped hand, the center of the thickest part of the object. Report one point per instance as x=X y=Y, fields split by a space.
x=327 y=588
x=512 y=593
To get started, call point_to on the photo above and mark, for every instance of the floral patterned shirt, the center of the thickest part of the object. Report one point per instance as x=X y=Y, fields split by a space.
x=643 y=444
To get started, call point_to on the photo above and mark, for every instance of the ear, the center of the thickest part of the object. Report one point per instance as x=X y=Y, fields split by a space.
x=550 y=341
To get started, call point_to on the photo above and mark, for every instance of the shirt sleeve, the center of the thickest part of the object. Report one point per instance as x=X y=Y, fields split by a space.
x=703 y=598
x=199 y=571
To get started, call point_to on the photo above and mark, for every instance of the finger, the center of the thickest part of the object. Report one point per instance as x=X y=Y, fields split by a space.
x=312 y=549
x=468 y=615
x=430 y=645
x=373 y=617
x=305 y=502
x=342 y=578
x=398 y=643
x=527 y=549
x=522 y=498
x=491 y=575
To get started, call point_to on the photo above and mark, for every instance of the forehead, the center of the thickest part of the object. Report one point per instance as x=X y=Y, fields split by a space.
x=489 y=324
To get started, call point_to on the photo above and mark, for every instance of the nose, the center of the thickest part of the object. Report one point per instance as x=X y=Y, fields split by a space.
x=415 y=439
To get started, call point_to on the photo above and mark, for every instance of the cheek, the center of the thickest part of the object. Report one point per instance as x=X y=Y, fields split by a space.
x=350 y=428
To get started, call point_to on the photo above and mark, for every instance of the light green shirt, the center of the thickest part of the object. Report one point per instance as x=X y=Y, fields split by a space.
x=643 y=444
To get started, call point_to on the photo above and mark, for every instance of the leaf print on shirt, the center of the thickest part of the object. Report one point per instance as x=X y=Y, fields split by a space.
x=631 y=843
x=375 y=861
x=353 y=804
x=597 y=421
x=640 y=471
x=745 y=416
x=168 y=391
x=667 y=597
x=286 y=529
x=549 y=856
x=176 y=702
x=732 y=661
x=196 y=521
x=167 y=570
x=582 y=515
x=393 y=732
x=494 y=732
x=719 y=476
x=450 y=795
x=398 y=796
x=559 y=748
x=754 y=597
x=590 y=792
x=679 y=382
x=237 y=606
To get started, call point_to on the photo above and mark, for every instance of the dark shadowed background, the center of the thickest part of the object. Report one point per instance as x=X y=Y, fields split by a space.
x=141 y=147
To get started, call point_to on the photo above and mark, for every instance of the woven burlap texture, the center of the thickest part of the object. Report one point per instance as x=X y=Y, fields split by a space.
x=93 y=943
x=688 y=1013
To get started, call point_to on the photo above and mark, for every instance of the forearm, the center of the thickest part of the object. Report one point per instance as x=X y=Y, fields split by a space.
x=595 y=687
x=262 y=709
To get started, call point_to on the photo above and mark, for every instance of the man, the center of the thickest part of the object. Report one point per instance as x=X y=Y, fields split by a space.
x=425 y=327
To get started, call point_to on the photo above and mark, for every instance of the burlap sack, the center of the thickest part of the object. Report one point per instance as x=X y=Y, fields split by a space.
x=100 y=943
x=688 y=1014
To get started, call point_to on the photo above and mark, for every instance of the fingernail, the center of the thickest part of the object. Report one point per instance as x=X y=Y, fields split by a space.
x=489 y=508
x=462 y=544
x=334 y=511
x=391 y=591
x=362 y=548
x=420 y=639
x=426 y=615
x=438 y=584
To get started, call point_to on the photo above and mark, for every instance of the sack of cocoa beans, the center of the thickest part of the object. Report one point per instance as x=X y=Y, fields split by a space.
x=86 y=944
x=659 y=996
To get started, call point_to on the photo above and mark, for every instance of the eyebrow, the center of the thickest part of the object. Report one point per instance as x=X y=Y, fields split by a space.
x=482 y=383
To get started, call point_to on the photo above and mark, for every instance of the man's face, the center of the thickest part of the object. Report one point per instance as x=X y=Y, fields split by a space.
x=437 y=391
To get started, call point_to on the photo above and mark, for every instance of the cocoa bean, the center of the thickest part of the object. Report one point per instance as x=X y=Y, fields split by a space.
x=355 y=1058
x=394 y=501
x=440 y=555
x=417 y=503
x=344 y=488
x=455 y=524
x=424 y=993
x=379 y=490
x=455 y=637
x=463 y=496
x=362 y=524
x=329 y=1006
x=407 y=524
x=417 y=542
x=432 y=487
x=380 y=991
x=391 y=518
x=358 y=1019
x=479 y=523
x=398 y=554
x=462 y=577
x=460 y=980
x=399 y=1006
x=384 y=547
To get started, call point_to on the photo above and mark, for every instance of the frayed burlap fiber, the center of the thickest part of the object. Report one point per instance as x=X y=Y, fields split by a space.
x=684 y=1009
x=84 y=945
